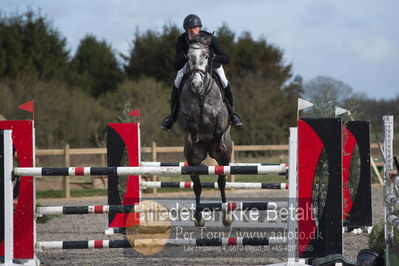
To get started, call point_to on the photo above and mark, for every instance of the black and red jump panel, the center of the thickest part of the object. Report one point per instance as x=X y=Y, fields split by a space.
x=357 y=206
x=122 y=142
x=320 y=232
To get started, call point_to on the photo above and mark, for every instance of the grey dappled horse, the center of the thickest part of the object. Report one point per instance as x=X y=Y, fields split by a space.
x=204 y=119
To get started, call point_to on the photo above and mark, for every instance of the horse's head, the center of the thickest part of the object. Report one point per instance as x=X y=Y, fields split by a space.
x=197 y=57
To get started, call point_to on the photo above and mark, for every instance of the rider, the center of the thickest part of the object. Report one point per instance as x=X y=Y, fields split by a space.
x=192 y=25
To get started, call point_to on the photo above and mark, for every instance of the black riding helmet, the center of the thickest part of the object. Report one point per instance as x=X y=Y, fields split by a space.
x=192 y=21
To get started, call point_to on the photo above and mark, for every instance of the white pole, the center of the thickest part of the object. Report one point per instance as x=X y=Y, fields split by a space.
x=388 y=186
x=8 y=199
x=173 y=170
x=292 y=225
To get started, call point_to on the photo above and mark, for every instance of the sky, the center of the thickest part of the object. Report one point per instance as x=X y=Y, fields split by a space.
x=356 y=41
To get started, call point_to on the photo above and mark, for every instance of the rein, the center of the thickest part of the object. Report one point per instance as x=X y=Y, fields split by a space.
x=206 y=80
x=208 y=83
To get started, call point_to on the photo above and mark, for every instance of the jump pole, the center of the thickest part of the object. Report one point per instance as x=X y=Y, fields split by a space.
x=139 y=208
x=126 y=171
x=95 y=244
x=165 y=164
x=214 y=185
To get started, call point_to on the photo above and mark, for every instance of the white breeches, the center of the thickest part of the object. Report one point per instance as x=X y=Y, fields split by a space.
x=222 y=76
x=180 y=75
x=219 y=71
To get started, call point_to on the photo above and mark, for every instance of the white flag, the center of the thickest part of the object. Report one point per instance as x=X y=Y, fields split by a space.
x=302 y=104
x=340 y=111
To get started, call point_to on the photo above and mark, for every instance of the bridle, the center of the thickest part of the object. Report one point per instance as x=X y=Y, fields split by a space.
x=207 y=82
x=206 y=79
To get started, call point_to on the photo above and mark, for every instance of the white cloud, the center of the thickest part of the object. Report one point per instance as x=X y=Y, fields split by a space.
x=374 y=49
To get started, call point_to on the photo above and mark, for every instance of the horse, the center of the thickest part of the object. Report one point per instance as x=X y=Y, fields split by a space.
x=204 y=119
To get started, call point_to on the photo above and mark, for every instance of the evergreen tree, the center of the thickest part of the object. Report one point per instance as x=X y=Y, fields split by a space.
x=226 y=39
x=95 y=66
x=259 y=57
x=29 y=44
x=153 y=55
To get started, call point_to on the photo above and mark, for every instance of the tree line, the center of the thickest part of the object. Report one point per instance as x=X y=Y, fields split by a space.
x=77 y=94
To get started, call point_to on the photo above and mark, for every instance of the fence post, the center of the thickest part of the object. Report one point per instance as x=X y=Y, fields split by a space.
x=65 y=179
x=103 y=164
x=154 y=159
x=233 y=160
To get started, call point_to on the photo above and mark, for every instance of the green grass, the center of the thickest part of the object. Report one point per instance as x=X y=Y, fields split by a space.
x=92 y=192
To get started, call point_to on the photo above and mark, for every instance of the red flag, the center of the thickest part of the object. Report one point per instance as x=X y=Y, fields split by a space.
x=135 y=113
x=29 y=106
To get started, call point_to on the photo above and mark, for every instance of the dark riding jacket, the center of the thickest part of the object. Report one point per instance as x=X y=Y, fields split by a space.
x=182 y=46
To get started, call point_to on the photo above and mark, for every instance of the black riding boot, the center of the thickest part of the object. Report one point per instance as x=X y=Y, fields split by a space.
x=234 y=117
x=167 y=123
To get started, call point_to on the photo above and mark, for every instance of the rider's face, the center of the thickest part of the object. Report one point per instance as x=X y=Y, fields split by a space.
x=193 y=30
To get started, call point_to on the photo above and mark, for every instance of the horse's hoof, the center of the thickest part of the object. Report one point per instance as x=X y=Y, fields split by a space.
x=200 y=223
x=227 y=219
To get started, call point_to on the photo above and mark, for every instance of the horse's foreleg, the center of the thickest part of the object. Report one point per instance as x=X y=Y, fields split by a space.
x=222 y=187
x=227 y=217
x=199 y=221
x=195 y=154
x=193 y=129
x=219 y=145
x=224 y=159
